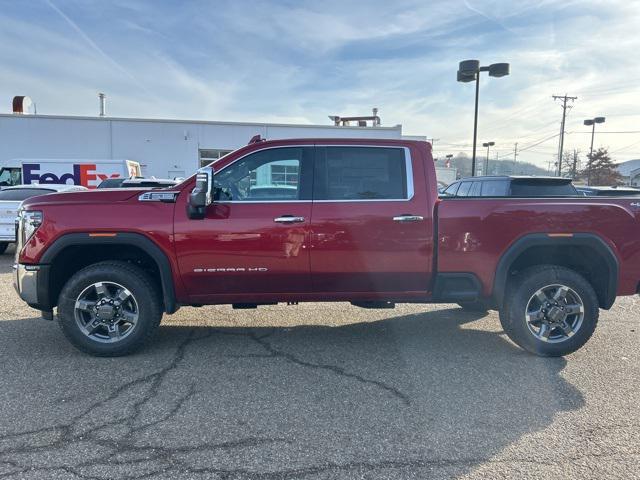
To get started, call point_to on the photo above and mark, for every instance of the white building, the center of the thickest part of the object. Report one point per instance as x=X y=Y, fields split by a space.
x=164 y=148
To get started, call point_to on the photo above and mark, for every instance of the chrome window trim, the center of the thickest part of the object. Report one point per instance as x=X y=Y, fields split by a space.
x=408 y=172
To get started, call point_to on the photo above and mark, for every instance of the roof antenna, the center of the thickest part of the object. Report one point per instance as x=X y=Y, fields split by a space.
x=256 y=139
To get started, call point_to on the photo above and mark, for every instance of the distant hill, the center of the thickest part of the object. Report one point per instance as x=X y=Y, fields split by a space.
x=496 y=167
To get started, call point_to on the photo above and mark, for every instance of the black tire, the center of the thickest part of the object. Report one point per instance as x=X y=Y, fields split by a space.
x=3 y=247
x=522 y=289
x=140 y=287
x=478 y=306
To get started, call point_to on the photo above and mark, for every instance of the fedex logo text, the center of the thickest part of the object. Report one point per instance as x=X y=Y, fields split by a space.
x=83 y=174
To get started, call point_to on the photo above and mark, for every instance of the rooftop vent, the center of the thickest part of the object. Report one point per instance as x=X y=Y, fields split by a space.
x=23 y=105
x=339 y=121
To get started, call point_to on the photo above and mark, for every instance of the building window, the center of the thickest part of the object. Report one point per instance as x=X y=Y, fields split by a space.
x=284 y=174
x=209 y=155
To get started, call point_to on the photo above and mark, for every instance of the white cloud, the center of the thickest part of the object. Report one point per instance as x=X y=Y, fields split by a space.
x=288 y=62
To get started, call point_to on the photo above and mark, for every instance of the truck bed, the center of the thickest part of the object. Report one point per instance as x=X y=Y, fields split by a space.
x=474 y=233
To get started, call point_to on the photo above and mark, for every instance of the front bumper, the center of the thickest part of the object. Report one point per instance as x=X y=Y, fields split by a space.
x=32 y=284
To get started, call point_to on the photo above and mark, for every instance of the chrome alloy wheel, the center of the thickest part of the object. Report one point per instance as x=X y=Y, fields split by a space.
x=106 y=312
x=554 y=313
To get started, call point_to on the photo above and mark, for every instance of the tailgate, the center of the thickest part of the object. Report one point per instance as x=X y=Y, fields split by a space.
x=8 y=214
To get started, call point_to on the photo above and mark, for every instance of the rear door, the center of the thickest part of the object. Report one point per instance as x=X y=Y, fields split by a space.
x=371 y=229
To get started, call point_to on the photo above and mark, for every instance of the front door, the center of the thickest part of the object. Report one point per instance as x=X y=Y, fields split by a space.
x=371 y=231
x=253 y=243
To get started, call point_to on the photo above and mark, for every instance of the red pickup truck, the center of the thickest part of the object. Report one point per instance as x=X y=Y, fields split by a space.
x=348 y=220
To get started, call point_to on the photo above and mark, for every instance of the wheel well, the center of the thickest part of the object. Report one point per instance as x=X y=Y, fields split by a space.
x=75 y=257
x=585 y=260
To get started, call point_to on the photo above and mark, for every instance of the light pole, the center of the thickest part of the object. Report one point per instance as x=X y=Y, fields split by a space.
x=486 y=165
x=592 y=123
x=468 y=71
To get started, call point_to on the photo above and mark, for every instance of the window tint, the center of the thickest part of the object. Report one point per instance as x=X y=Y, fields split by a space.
x=360 y=173
x=23 y=193
x=536 y=188
x=475 y=189
x=495 y=188
x=273 y=174
x=452 y=189
x=464 y=189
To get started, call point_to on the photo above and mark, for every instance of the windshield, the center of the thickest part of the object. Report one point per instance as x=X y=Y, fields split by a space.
x=10 y=177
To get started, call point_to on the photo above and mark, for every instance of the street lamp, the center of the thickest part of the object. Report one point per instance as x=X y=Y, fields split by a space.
x=486 y=166
x=468 y=71
x=592 y=123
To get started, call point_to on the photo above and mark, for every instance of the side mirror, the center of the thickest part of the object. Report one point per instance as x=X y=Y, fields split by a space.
x=201 y=197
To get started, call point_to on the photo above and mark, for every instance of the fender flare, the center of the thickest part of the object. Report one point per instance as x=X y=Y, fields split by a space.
x=122 y=238
x=590 y=240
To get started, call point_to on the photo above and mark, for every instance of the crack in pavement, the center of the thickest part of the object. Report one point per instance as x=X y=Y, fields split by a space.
x=273 y=352
x=72 y=433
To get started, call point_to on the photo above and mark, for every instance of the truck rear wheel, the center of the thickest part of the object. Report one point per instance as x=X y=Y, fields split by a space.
x=549 y=310
x=3 y=247
x=109 y=309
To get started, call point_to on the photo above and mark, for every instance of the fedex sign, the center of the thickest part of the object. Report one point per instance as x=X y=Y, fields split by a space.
x=84 y=174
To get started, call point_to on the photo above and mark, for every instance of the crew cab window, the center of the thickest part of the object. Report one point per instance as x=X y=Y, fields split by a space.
x=475 y=189
x=266 y=175
x=495 y=188
x=360 y=173
x=23 y=193
x=463 y=191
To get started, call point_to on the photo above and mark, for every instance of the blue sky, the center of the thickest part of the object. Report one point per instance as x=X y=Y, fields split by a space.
x=299 y=61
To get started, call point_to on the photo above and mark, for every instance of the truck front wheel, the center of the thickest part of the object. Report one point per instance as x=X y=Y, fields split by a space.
x=3 y=247
x=549 y=310
x=109 y=309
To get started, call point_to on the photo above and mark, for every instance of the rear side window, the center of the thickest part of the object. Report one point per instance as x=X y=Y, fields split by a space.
x=452 y=189
x=463 y=191
x=495 y=188
x=360 y=173
x=475 y=189
x=23 y=193
x=535 y=188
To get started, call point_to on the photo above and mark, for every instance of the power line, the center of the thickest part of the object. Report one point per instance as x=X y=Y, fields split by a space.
x=533 y=144
x=564 y=99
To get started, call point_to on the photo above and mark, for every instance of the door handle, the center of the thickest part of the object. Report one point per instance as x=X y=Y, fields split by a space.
x=408 y=218
x=288 y=219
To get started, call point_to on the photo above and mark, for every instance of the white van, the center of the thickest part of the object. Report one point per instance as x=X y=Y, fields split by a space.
x=84 y=172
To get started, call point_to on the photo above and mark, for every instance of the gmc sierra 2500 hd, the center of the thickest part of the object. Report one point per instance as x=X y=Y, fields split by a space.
x=323 y=220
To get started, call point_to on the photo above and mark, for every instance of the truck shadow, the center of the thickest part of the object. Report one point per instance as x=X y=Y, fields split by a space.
x=426 y=395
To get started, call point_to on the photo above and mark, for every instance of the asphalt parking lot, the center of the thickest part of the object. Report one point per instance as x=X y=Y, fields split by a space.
x=318 y=391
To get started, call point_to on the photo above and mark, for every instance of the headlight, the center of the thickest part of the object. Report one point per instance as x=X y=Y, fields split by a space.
x=30 y=220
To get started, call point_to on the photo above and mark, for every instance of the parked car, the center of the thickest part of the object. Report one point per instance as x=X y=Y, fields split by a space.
x=10 y=200
x=137 y=182
x=364 y=226
x=113 y=182
x=607 y=191
x=511 y=186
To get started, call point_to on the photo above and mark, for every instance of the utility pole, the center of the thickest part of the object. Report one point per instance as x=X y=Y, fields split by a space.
x=515 y=156
x=564 y=99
